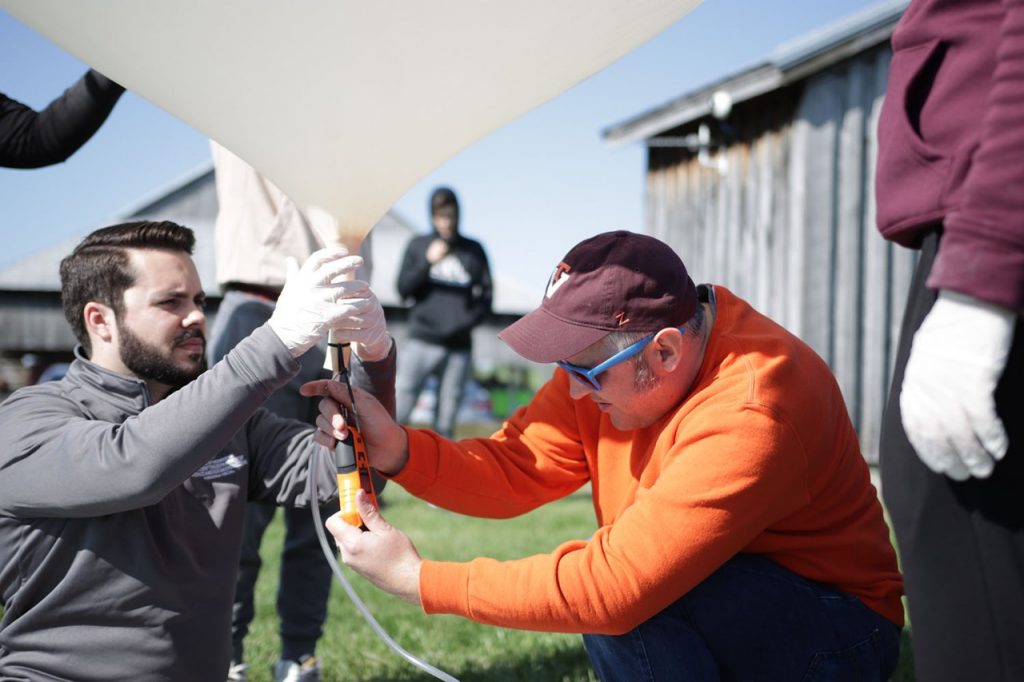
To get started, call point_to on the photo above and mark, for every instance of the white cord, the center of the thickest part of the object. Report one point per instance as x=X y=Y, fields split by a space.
x=360 y=606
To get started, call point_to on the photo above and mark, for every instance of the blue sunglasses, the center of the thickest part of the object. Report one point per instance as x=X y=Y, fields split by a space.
x=589 y=376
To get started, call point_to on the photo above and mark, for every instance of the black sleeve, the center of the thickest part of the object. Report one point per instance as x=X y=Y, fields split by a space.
x=415 y=270
x=483 y=290
x=31 y=139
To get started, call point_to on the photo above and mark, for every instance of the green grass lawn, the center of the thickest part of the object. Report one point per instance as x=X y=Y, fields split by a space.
x=350 y=650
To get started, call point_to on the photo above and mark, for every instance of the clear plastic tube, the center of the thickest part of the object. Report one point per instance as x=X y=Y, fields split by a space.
x=360 y=606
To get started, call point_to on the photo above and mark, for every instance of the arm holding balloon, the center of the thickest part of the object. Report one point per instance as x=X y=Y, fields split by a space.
x=317 y=298
x=34 y=139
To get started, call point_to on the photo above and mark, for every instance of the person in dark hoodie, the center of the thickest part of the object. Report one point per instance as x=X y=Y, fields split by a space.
x=449 y=281
x=34 y=139
x=950 y=183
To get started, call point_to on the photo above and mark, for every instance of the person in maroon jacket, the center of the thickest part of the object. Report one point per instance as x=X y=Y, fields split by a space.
x=34 y=139
x=950 y=182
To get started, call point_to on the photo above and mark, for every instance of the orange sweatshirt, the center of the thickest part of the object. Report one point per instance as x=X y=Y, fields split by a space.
x=760 y=458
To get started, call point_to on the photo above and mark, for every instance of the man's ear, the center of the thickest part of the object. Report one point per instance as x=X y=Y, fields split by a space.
x=99 y=321
x=667 y=348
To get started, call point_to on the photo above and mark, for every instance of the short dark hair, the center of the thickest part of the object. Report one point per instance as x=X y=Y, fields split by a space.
x=99 y=268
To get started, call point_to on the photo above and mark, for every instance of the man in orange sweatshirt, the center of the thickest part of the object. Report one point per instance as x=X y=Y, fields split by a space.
x=739 y=535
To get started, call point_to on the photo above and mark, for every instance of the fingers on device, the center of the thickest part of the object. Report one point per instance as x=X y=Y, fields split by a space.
x=353 y=467
x=350 y=458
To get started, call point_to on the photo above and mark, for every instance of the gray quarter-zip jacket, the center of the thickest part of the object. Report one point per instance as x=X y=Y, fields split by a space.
x=121 y=521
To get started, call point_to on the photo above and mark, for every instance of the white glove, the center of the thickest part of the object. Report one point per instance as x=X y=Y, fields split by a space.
x=365 y=327
x=947 y=399
x=315 y=298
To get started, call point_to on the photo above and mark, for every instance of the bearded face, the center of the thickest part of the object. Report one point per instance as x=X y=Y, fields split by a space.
x=151 y=362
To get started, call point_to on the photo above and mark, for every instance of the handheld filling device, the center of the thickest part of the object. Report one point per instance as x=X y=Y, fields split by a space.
x=353 y=466
x=350 y=457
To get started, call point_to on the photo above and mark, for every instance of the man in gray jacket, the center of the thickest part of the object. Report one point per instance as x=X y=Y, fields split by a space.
x=123 y=486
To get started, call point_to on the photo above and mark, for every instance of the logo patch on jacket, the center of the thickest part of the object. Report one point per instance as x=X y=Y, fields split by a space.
x=220 y=467
x=450 y=270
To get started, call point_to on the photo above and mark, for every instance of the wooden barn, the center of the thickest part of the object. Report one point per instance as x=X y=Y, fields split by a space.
x=764 y=182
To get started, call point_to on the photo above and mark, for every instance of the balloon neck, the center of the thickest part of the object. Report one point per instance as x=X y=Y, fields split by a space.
x=338 y=354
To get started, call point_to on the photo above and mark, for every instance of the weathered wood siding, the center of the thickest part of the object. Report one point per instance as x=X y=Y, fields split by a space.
x=790 y=224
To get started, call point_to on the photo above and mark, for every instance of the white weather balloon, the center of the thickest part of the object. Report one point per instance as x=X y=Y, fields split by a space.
x=345 y=104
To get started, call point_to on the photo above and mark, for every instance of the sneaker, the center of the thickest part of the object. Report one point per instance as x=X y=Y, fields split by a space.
x=238 y=672
x=305 y=669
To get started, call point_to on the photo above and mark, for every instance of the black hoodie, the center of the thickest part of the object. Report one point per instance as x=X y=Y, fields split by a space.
x=449 y=297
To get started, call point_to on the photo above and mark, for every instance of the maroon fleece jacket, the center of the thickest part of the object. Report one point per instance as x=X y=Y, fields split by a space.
x=951 y=143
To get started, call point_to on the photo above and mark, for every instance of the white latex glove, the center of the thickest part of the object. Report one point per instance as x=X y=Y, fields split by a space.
x=315 y=298
x=365 y=328
x=947 y=398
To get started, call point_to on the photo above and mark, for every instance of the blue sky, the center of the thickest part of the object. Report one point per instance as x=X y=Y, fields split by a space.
x=529 y=191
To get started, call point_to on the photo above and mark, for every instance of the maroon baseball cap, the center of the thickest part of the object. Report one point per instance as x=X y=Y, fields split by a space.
x=616 y=281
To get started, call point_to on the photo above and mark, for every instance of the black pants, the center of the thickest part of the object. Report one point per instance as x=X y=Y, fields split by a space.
x=305 y=576
x=304 y=583
x=961 y=543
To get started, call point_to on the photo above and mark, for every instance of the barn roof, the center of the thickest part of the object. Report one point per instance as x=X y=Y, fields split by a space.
x=790 y=62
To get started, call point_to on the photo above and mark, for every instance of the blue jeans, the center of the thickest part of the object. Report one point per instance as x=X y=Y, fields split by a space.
x=753 y=620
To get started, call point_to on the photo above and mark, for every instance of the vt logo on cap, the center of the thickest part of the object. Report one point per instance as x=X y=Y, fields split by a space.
x=616 y=281
x=559 y=277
